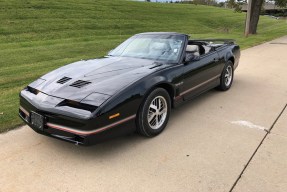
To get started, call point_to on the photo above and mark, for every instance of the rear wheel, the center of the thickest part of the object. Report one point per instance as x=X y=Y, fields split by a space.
x=154 y=113
x=226 y=77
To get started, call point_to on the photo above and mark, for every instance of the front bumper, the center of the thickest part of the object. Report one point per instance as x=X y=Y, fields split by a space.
x=76 y=130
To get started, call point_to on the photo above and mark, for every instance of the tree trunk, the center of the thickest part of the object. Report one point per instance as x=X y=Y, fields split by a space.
x=255 y=13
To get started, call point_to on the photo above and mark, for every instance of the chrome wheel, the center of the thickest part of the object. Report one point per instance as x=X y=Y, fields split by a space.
x=228 y=76
x=154 y=113
x=157 y=112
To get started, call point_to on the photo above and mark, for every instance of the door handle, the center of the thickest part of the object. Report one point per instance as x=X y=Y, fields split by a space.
x=215 y=60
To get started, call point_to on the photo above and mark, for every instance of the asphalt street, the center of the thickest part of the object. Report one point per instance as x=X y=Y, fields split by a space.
x=220 y=141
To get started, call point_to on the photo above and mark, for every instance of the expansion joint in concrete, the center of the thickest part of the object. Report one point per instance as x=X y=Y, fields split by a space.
x=254 y=153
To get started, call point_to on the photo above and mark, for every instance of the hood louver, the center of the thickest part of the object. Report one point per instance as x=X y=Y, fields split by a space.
x=64 y=80
x=80 y=83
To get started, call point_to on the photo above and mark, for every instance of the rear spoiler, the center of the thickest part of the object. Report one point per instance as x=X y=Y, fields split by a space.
x=212 y=41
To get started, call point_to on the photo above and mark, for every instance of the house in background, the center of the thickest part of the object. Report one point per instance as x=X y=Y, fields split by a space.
x=270 y=9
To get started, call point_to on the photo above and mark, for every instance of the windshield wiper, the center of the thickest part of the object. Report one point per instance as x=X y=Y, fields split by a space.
x=157 y=64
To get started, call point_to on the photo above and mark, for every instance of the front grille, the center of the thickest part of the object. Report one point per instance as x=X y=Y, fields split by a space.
x=64 y=80
x=80 y=83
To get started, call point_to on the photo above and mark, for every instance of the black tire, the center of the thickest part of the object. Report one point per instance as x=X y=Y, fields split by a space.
x=225 y=80
x=145 y=127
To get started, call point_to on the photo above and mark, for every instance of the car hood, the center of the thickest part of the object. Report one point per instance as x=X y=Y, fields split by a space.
x=103 y=76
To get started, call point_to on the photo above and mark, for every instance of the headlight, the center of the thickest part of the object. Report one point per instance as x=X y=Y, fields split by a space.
x=95 y=99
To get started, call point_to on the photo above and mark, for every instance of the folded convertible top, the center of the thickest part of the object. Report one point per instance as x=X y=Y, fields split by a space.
x=212 y=41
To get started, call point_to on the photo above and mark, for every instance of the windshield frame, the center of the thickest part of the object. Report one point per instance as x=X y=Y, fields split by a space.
x=182 y=37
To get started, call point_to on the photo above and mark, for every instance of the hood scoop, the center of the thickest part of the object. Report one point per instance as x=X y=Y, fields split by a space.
x=64 y=80
x=80 y=83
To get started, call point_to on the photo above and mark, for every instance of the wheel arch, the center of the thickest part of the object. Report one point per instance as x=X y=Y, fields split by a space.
x=232 y=59
x=164 y=85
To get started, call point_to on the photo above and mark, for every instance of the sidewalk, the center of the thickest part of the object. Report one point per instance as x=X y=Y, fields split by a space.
x=267 y=170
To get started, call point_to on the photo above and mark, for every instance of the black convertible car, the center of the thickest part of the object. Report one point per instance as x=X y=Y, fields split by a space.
x=133 y=88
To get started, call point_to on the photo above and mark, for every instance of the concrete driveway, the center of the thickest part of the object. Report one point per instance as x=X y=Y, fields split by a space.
x=221 y=141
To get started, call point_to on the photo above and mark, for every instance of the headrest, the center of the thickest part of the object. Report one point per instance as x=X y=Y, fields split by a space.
x=192 y=48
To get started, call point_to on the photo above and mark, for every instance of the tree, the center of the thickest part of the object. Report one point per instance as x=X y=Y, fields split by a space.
x=254 y=15
x=255 y=10
x=234 y=5
x=281 y=3
x=231 y=4
x=221 y=4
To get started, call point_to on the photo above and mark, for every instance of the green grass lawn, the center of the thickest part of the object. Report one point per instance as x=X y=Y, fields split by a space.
x=37 y=36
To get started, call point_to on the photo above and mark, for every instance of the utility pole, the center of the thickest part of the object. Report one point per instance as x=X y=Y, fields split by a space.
x=248 y=18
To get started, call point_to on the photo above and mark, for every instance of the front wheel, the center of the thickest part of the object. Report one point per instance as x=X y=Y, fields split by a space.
x=226 y=77
x=154 y=113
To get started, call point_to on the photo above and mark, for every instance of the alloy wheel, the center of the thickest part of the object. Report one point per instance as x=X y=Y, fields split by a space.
x=157 y=112
x=228 y=76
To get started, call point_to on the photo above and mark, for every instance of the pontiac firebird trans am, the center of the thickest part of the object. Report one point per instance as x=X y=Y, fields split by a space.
x=133 y=88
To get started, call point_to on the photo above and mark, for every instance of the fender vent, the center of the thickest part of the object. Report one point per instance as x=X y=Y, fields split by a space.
x=80 y=83
x=64 y=80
